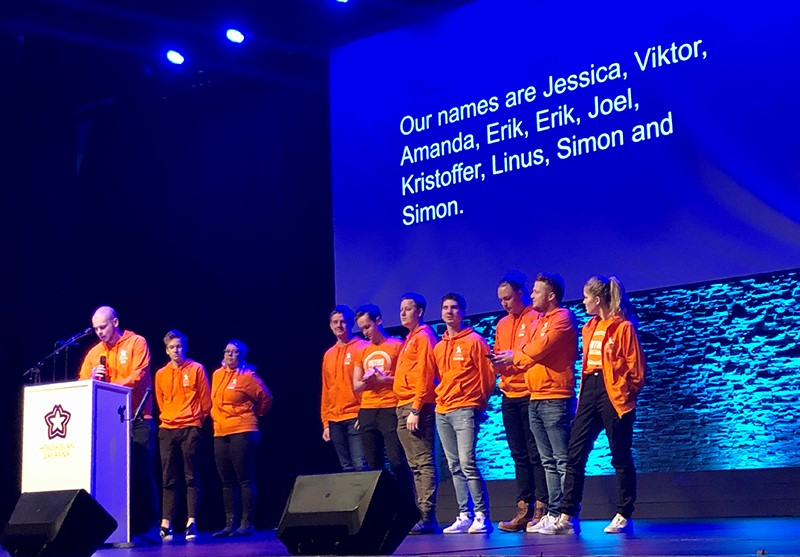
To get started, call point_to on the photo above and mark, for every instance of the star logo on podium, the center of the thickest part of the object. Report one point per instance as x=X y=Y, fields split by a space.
x=57 y=421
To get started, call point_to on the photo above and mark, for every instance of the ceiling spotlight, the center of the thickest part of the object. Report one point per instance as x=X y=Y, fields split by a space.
x=234 y=35
x=175 y=57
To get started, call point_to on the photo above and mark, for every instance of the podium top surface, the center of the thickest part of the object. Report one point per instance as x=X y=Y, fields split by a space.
x=83 y=384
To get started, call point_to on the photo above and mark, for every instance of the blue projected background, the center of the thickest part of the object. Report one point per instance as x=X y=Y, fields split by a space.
x=654 y=142
x=723 y=380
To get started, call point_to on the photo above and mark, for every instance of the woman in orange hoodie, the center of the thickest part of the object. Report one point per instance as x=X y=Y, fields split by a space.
x=238 y=398
x=611 y=378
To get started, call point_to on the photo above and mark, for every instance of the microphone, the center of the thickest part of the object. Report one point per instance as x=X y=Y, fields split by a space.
x=71 y=340
x=101 y=375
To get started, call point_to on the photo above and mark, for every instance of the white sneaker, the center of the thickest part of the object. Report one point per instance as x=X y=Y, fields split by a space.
x=460 y=526
x=481 y=524
x=534 y=527
x=619 y=525
x=564 y=525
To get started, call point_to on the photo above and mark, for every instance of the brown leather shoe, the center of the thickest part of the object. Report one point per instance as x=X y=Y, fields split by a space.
x=539 y=510
x=520 y=520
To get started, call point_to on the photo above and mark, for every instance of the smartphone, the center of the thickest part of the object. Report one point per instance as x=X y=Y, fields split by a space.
x=490 y=356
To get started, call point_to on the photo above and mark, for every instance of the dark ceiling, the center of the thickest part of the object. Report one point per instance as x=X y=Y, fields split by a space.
x=84 y=51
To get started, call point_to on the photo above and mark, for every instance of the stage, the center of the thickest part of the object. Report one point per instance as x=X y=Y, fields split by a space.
x=722 y=537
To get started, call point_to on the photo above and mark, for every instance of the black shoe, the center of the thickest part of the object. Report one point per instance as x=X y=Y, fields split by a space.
x=245 y=529
x=225 y=532
x=426 y=525
x=191 y=532
x=166 y=533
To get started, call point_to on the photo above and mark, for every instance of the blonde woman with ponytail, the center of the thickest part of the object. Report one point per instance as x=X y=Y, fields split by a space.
x=612 y=375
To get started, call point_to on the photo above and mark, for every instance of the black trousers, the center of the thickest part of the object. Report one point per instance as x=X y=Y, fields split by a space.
x=528 y=469
x=378 y=428
x=595 y=413
x=179 y=458
x=235 y=456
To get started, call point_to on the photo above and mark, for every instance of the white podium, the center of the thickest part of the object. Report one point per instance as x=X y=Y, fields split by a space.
x=77 y=435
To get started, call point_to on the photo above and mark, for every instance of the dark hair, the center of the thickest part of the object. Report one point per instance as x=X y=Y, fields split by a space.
x=458 y=298
x=371 y=310
x=516 y=280
x=346 y=312
x=241 y=347
x=555 y=282
x=418 y=299
x=173 y=334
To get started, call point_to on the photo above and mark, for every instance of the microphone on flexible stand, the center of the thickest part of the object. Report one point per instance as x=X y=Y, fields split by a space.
x=76 y=337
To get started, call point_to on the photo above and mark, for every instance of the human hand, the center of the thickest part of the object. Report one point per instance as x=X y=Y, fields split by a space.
x=99 y=372
x=503 y=358
x=412 y=422
x=326 y=434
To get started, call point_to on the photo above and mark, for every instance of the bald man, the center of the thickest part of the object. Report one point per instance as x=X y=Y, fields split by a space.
x=126 y=360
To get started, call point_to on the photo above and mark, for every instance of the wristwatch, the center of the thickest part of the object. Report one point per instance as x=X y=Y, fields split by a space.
x=415 y=411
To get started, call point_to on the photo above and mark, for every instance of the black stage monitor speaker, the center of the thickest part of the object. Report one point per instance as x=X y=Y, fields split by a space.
x=354 y=513
x=57 y=523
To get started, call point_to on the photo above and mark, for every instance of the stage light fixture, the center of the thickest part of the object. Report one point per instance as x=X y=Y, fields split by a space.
x=234 y=35
x=175 y=57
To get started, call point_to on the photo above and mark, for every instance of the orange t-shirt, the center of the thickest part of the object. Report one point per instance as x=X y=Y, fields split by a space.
x=594 y=350
x=382 y=356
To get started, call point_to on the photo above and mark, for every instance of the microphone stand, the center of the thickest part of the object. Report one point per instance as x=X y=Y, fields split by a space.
x=35 y=372
x=138 y=414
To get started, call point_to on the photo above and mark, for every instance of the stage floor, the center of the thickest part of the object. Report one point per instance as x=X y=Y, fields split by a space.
x=722 y=537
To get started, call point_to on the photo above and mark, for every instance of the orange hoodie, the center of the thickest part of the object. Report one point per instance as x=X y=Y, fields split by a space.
x=127 y=364
x=384 y=357
x=512 y=333
x=182 y=394
x=549 y=357
x=415 y=376
x=238 y=398
x=339 y=401
x=623 y=374
x=467 y=377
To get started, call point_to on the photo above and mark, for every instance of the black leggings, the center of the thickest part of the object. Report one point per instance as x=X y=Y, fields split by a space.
x=236 y=463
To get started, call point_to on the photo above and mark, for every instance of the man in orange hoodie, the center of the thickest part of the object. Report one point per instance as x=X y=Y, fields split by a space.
x=184 y=399
x=467 y=381
x=339 y=405
x=373 y=377
x=549 y=360
x=123 y=358
x=414 y=384
x=512 y=332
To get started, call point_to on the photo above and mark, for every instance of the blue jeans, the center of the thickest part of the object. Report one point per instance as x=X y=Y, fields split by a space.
x=347 y=441
x=458 y=432
x=550 y=423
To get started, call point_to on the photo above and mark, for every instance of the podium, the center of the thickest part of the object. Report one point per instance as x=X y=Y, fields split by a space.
x=76 y=435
